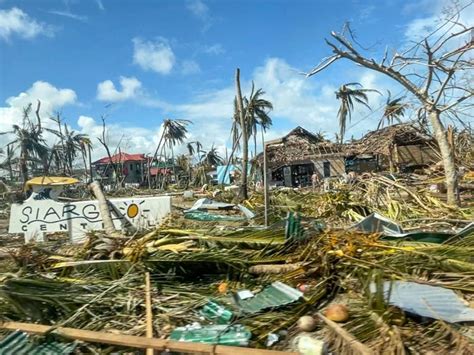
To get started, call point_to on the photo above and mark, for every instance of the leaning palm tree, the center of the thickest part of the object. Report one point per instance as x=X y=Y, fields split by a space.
x=174 y=132
x=394 y=110
x=349 y=94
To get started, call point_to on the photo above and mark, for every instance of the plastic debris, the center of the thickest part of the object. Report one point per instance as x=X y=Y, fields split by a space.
x=307 y=344
x=216 y=313
x=233 y=335
x=426 y=301
x=272 y=339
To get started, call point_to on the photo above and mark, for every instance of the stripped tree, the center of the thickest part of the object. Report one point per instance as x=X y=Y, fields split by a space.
x=435 y=70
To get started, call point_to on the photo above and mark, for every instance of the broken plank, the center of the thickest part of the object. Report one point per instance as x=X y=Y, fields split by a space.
x=137 y=341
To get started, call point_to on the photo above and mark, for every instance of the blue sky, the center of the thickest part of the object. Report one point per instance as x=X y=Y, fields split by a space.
x=140 y=61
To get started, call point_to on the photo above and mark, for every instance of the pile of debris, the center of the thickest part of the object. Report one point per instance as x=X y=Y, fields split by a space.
x=374 y=284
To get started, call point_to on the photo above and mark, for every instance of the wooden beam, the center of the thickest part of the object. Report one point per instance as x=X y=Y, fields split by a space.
x=149 y=315
x=132 y=341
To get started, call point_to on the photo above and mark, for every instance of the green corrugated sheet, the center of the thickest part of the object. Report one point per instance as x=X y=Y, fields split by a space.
x=276 y=295
x=19 y=343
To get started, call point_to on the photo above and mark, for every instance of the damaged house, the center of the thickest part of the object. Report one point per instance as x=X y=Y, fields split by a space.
x=294 y=158
x=131 y=168
x=400 y=147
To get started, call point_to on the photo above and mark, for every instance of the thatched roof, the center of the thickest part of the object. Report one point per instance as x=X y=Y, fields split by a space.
x=299 y=146
x=383 y=140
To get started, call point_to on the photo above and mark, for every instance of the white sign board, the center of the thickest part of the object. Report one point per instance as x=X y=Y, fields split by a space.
x=39 y=215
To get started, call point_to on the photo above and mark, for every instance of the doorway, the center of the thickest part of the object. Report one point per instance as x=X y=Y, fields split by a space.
x=326 y=169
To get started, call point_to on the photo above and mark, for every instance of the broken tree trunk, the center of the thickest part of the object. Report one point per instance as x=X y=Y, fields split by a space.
x=447 y=155
x=104 y=209
x=273 y=269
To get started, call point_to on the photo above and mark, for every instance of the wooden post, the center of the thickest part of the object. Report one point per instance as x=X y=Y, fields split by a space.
x=265 y=182
x=149 y=314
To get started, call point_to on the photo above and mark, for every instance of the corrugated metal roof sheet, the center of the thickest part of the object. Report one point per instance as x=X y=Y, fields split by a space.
x=427 y=301
x=19 y=343
x=276 y=295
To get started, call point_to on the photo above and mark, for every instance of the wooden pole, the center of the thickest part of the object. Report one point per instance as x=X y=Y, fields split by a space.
x=265 y=182
x=149 y=315
x=131 y=341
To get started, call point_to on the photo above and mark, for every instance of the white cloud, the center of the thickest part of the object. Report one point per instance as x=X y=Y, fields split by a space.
x=296 y=101
x=198 y=9
x=131 y=139
x=214 y=49
x=156 y=56
x=51 y=98
x=100 y=5
x=106 y=90
x=201 y=11
x=68 y=14
x=190 y=67
x=436 y=11
x=15 y=22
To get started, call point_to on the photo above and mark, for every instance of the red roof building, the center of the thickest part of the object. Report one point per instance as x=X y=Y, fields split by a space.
x=121 y=158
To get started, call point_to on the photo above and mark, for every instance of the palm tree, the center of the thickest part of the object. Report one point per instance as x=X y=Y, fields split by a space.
x=248 y=114
x=9 y=159
x=74 y=144
x=174 y=132
x=211 y=157
x=192 y=151
x=256 y=109
x=394 y=110
x=85 y=145
x=29 y=140
x=348 y=94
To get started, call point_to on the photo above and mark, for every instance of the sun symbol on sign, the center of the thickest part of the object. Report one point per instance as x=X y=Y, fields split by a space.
x=131 y=208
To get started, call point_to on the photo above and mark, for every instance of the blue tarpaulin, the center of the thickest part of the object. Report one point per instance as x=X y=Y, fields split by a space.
x=224 y=179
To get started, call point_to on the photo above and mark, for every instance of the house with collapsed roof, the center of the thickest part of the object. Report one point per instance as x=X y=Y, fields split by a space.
x=131 y=168
x=400 y=147
x=292 y=159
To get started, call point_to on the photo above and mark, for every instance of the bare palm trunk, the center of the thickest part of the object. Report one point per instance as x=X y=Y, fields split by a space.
x=153 y=159
x=90 y=162
x=104 y=209
x=245 y=138
x=255 y=144
x=447 y=156
x=172 y=162
x=9 y=162
x=83 y=152
x=24 y=165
